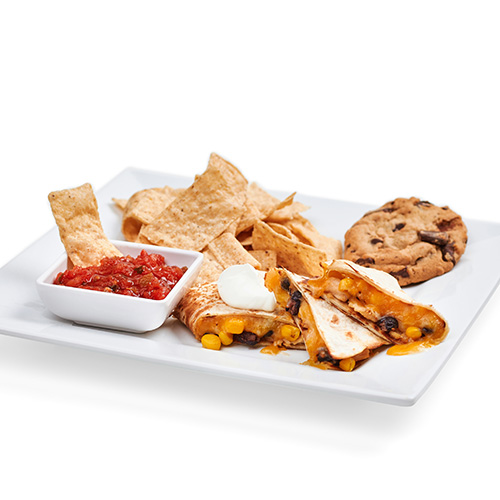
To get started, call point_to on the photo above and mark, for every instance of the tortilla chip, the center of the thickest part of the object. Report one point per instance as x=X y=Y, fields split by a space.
x=266 y=258
x=259 y=205
x=143 y=207
x=266 y=203
x=228 y=251
x=248 y=218
x=263 y=201
x=233 y=227
x=203 y=211
x=282 y=229
x=210 y=269
x=245 y=238
x=282 y=214
x=77 y=217
x=120 y=203
x=306 y=232
x=287 y=202
x=293 y=255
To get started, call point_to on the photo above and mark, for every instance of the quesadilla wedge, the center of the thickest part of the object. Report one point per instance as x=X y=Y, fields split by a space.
x=333 y=340
x=204 y=312
x=375 y=299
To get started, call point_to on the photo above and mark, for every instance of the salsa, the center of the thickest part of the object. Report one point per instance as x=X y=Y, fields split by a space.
x=146 y=276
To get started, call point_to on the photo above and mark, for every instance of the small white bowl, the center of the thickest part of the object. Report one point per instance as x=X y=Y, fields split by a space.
x=114 y=311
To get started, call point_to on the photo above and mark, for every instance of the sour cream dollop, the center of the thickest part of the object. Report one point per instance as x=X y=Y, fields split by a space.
x=242 y=286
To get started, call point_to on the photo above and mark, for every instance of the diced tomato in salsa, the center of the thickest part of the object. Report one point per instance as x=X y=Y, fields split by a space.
x=145 y=276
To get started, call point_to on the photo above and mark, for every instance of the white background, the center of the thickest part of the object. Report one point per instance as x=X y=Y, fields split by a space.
x=362 y=101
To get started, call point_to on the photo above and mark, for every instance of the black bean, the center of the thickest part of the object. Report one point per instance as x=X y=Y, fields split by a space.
x=293 y=304
x=387 y=323
x=247 y=338
x=322 y=354
x=285 y=284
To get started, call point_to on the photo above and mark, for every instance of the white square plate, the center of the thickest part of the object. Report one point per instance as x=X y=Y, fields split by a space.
x=459 y=295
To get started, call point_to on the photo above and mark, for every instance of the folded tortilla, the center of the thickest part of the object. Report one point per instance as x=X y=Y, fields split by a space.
x=333 y=339
x=375 y=299
x=203 y=311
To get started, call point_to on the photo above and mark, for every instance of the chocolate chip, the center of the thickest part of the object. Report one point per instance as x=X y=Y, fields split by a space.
x=293 y=304
x=387 y=210
x=446 y=225
x=399 y=226
x=402 y=273
x=449 y=253
x=439 y=238
x=387 y=323
x=422 y=203
x=374 y=241
x=364 y=262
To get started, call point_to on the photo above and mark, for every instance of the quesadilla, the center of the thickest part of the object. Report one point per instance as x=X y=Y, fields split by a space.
x=207 y=316
x=376 y=300
x=333 y=339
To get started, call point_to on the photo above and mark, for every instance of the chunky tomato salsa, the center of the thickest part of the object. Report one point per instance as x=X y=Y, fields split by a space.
x=145 y=276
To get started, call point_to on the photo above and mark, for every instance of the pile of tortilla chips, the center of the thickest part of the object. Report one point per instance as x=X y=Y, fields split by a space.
x=231 y=221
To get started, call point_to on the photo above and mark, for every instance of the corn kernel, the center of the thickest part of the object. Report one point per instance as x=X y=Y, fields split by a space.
x=225 y=337
x=413 y=332
x=347 y=364
x=211 y=341
x=290 y=332
x=234 y=325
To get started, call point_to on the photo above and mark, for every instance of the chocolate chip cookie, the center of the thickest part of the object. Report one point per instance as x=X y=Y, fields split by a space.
x=411 y=239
